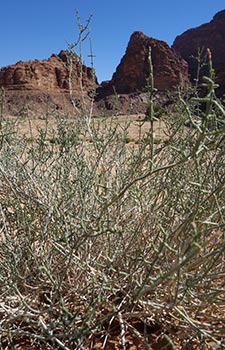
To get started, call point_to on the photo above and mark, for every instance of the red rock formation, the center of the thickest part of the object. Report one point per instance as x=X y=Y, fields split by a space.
x=210 y=35
x=30 y=84
x=46 y=75
x=133 y=71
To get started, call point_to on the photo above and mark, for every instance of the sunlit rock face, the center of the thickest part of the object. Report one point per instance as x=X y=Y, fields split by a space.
x=131 y=75
x=51 y=74
x=38 y=85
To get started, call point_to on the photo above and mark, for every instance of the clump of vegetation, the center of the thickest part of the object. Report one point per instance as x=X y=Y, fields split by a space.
x=106 y=243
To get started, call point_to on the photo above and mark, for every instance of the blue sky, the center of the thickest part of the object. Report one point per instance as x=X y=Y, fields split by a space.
x=36 y=29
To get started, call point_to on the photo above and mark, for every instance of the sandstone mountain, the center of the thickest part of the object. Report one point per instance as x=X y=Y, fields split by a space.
x=133 y=71
x=210 y=35
x=47 y=84
x=34 y=84
x=51 y=74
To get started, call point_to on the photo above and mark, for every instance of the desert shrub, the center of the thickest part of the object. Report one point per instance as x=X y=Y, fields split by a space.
x=97 y=234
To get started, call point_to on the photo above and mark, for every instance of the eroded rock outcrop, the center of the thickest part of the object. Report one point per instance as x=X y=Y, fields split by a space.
x=210 y=35
x=131 y=75
x=30 y=84
x=51 y=74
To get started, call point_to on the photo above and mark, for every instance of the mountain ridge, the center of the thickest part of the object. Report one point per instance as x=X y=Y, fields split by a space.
x=29 y=83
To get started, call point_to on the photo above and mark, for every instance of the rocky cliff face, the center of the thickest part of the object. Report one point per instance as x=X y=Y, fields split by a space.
x=210 y=35
x=32 y=84
x=48 y=75
x=133 y=71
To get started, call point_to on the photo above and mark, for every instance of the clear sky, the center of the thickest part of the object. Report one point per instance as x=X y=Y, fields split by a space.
x=32 y=29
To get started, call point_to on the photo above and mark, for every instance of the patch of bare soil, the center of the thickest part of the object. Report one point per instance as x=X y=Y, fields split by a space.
x=136 y=126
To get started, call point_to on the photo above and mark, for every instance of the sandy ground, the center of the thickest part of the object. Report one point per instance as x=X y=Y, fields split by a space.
x=136 y=126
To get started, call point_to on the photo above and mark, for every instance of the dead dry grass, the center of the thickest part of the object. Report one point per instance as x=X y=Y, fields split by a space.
x=132 y=222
